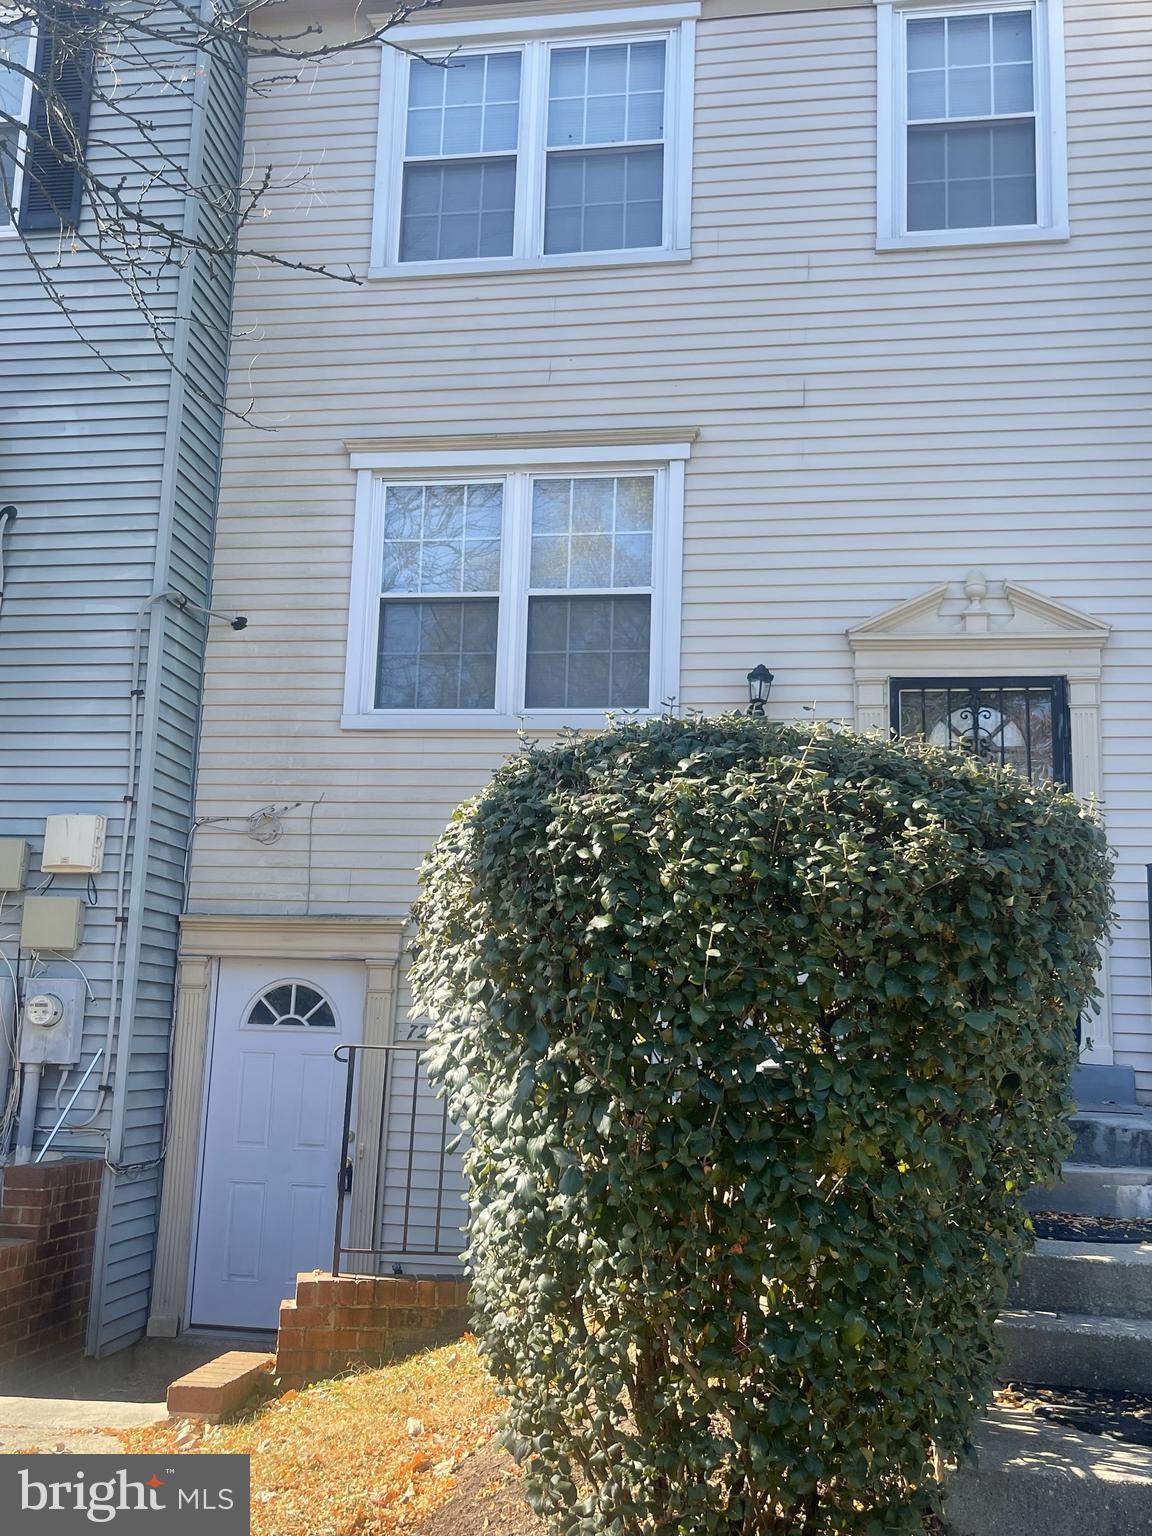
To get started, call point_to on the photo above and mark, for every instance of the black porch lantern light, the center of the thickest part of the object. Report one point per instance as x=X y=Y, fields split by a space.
x=760 y=682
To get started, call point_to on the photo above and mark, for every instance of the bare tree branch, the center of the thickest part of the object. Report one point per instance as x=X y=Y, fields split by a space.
x=146 y=208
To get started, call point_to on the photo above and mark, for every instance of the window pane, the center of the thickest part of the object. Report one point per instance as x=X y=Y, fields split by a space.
x=926 y=44
x=969 y=40
x=588 y=652
x=593 y=531
x=467 y=105
x=608 y=94
x=1012 y=36
x=15 y=45
x=8 y=141
x=1013 y=88
x=1011 y=725
x=927 y=94
x=969 y=92
x=634 y=496
x=972 y=175
x=604 y=200
x=457 y=210
x=593 y=508
x=437 y=655
x=442 y=538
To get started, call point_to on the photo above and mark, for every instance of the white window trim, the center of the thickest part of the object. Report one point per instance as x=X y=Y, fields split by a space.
x=9 y=230
x=665 y=460
x=675 y=23
x=891 y=145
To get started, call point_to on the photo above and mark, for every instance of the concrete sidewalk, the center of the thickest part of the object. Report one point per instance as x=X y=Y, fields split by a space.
x=72 y=1404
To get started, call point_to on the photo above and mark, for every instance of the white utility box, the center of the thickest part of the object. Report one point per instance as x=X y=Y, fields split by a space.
x=13 y=863
x=74 y=845
x=52 y=922
x=52 y=1022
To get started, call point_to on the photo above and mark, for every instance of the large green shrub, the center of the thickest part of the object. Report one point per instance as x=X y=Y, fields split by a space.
x=758 y=1032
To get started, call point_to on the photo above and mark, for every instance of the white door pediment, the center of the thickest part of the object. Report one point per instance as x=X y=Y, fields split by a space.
x=997 y=613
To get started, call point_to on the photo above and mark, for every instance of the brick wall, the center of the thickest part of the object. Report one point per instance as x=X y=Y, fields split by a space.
x=47 y=1232
x=337 y=1324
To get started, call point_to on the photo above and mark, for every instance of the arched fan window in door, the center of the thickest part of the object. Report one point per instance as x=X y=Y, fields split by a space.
x=292 y=1003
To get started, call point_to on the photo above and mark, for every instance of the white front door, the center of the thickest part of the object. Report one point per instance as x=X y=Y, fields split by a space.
x=272 y=1134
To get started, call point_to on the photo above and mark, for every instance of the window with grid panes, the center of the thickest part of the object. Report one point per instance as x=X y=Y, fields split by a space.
x=536 y=149
x=524 y=592
x=971 y=131
x=971 y=105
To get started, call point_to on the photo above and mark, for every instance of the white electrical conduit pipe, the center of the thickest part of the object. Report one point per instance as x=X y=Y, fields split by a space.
x=26 y=1119
x=181 y=601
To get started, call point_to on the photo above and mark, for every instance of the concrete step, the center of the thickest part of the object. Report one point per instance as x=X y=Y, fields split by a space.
x=1113 y=1140
x=1089 y=1190
x=1088 y=1279
x=1026 y=1477
x=1096 y=1087
x=1103 y=1354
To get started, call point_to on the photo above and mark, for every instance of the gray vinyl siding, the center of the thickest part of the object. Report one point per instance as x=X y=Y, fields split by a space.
x=869 y=427
x=188 y=513
x=114 y=479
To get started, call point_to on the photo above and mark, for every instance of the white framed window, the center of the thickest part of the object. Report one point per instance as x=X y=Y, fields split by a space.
x=970 y=123
x=486 y=593
x=17 y=47
x=563 y=140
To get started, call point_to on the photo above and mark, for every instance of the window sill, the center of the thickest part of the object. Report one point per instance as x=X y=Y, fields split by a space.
x=486 y=720
x=950 y=239
x=494 y=266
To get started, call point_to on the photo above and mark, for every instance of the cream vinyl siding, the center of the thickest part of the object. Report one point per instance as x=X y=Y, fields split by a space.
x=869 y=424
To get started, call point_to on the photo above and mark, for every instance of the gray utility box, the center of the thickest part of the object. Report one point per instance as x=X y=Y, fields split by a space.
x=52 y=922
x=13 y=863
x=52 y=1021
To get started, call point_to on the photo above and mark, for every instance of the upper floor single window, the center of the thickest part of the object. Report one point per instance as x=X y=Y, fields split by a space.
x=483 y=596
x=971 y=122
x=17 y=52
x=535 y=150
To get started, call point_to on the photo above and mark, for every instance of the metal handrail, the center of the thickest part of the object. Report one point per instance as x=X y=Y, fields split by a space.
x=347 y=1054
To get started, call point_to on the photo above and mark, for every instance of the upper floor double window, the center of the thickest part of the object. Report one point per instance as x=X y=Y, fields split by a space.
x=971 y=122
x=515 y=150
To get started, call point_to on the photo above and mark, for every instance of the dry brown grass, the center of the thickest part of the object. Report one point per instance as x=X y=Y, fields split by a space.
x=365 y=1455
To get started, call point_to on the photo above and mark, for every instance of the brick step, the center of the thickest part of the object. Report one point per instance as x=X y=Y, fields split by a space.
x=1112 y=1140
x=1102 y=1354
x=221 y=1387
x=1089 y=1279
x=1087 y=1189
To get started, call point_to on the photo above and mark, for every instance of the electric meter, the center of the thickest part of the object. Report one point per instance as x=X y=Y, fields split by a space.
x=43 y=1010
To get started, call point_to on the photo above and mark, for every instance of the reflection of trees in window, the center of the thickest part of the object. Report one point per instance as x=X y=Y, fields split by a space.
x=1019 y=725
x=440 y=586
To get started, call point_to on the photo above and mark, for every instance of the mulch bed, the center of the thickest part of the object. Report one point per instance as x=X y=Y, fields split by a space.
x=1069 y=1228
x=489 y=1501
x=1125 y=1416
